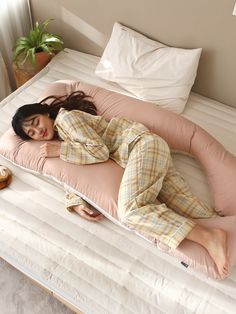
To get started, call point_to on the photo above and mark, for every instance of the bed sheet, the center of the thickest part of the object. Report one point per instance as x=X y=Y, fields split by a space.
x=101 y=267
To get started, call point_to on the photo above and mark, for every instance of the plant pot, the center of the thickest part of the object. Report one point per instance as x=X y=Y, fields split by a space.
x=26 y=71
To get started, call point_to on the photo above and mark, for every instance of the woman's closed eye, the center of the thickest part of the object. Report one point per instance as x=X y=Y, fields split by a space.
x=36 y=122
x=31 y=133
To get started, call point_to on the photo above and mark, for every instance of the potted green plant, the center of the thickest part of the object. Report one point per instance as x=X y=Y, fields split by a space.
x=31 y=53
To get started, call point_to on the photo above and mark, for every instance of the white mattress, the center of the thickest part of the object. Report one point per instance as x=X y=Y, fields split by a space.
x=101 y=267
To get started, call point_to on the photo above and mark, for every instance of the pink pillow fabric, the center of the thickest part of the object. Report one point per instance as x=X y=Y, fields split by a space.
x=99 y=183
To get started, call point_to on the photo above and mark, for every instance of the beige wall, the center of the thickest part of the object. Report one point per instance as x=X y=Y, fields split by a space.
x=86 y=26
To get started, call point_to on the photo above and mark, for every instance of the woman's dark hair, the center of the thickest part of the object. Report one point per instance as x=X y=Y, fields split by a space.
x=75 y=101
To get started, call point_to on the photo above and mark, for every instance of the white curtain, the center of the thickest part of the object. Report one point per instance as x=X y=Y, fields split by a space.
x=15 y=21
x=5 y=88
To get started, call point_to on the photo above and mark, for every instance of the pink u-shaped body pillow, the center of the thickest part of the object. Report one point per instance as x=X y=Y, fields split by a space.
x=180 y=133
x=99 y=183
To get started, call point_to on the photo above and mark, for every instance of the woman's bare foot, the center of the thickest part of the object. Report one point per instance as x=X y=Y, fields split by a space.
x=215 y=241
x=217 y=248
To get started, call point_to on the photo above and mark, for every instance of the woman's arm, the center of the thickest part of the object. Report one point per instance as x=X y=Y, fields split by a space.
x=83 y=154
x=81 y=143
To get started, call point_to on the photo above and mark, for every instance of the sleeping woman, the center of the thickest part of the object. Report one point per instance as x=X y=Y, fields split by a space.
x=86 y=138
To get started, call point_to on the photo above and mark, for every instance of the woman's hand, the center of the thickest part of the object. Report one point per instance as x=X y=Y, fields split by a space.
x=50 y=149
x=87 y=213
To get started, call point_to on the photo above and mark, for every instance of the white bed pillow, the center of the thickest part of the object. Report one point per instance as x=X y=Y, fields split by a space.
x=148 y=69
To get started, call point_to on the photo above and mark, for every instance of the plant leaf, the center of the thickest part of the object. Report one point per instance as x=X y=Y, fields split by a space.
x=32 y=55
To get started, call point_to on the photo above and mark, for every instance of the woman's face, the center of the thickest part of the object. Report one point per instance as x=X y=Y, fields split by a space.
x=39 y=127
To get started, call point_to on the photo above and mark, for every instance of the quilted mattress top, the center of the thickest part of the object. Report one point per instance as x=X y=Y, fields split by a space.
x=100 y=267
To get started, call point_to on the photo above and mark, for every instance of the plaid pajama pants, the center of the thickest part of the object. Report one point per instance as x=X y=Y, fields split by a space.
x=149 y=174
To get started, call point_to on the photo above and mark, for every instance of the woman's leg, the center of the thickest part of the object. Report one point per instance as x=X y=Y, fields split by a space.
x=176 y=194
x=142 y=181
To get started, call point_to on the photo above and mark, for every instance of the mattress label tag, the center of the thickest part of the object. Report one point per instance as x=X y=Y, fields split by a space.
x=184 y=264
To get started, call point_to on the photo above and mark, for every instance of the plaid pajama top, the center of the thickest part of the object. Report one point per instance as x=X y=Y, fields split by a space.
x=91 y=139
